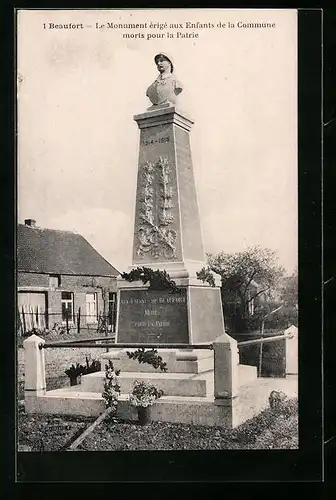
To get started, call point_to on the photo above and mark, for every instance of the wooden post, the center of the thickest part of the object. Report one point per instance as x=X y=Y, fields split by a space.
x=32 y=316
x=113 y=316
x=24 y=320
x=78 y=320
x=67 y=320
x=19 y=324
x=100 y=323
x=38 y=318
x=261 y=347
x=91 y=428
x=106 y=322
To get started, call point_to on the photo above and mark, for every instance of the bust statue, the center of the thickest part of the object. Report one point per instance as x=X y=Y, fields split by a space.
x=166 y=87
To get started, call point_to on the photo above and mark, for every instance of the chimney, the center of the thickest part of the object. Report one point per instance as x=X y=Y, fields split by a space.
x=30 y=222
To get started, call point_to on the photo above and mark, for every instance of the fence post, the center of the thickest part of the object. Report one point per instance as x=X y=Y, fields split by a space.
x=261 y=347
x=46 y=318
x=34 y=366
x=67 y=319
x=78 y=320
x=226 y=362
x=24 y=321
x=32 y=316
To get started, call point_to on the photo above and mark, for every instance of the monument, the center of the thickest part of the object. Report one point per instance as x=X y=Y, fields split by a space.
x=201 y=385
x=167 y=230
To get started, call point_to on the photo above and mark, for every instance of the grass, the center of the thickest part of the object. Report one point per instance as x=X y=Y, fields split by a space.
x=271 y=429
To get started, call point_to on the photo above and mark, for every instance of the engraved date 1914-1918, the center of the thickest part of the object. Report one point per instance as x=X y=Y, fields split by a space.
x=161 y=140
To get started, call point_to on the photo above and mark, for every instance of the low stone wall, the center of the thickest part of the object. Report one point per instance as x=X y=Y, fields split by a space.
x=56 y=362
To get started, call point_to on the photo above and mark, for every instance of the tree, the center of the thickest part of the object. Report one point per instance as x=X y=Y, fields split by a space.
x=288 y=298
x=289 y=290
x=246 y=275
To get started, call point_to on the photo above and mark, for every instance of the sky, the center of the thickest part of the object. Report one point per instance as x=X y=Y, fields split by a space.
x=78 y=90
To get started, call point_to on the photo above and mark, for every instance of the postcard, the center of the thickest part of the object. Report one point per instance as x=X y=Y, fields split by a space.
x=157 y=229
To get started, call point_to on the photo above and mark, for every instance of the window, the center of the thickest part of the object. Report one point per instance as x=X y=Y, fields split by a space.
x=112 y=310
x=67 y=307
x=54 y=280
x=91 y=308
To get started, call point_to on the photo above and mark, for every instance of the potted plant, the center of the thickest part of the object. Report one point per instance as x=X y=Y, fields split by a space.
x=74 y=373
x=143 y=396
x=94 y=367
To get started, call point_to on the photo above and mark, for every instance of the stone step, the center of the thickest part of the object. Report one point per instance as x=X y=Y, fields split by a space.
x=172 y=384
x=247 y=374
x=177 y=361
x=192 y=410
x=173 y=409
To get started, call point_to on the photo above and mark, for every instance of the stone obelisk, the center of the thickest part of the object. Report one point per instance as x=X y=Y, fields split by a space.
x=167 y=230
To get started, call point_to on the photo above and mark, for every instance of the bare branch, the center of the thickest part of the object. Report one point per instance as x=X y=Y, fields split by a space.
x=250 y=281
x=259 y=293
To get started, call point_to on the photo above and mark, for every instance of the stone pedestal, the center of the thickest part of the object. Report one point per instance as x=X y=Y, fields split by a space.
x=34 y=363
x=292 y=358
x=167 y=236
x=167 y=229
x=226 y=364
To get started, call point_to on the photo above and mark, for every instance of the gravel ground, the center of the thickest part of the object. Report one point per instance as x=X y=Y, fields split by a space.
x=47 y=432
x=120 y=436
x=269 y=430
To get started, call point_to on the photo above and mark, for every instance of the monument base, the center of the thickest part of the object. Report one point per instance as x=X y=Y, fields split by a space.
x=252 y=399
x=192 y=315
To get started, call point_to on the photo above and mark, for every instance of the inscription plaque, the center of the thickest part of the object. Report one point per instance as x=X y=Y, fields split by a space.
x=147 y=316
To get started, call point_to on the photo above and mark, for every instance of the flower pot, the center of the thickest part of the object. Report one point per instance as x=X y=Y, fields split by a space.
x=144 y=415
x=75 y=380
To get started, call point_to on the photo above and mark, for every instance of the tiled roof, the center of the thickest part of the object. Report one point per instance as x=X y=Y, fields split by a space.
x=52 y=251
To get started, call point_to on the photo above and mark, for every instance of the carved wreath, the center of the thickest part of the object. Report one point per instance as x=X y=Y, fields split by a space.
x=158 y=239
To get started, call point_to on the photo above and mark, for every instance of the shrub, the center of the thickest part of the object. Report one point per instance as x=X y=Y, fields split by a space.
x=150 y=357
x=158 y=280
x=251 y=430
x=94 y=367
x=277 y=399
x=283 y=434
x=112 y=389
x=44 y=332
x=75 y=371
